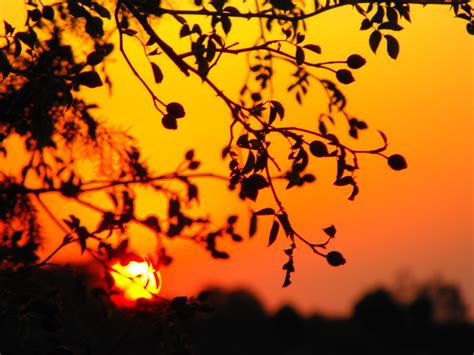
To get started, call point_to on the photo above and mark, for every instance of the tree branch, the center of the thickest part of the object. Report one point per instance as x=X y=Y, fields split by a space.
x=169 y=51
x=266 y=15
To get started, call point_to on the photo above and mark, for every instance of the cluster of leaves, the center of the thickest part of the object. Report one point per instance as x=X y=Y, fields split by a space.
x=20 y=233
x=40 y=100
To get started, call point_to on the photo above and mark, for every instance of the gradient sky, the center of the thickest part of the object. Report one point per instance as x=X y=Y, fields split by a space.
x=419 y=220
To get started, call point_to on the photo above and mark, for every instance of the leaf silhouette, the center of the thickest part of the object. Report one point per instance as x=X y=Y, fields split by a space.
x=284 y=5
x=91 y=79
x=330 y=231
x=299 y=56
x=374 y=40
x=157 y=73
x=313 y=47
x=393 y=48
x=265 y=212
x=253 y=225
x=273 y=233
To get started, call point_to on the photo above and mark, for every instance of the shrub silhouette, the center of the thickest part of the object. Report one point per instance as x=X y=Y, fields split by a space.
x=378 y=311
x=64 y=316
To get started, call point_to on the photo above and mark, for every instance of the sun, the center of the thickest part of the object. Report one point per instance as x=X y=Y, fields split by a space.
x=136 y=280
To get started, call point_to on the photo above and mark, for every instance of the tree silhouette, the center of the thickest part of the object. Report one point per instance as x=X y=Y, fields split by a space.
x=43 y=73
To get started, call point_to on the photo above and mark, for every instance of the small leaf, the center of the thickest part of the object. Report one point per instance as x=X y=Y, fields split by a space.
x=253 y=225
x=384 y=137
x=390 y=26
x=289 y=267
x=470 y=28
x=157 y=73
x=273 y=233
x=393 y=48
x=284 y=5
x=95 y=26
x=101 y=11
x=365 y=25
x=193 y=192
x=346 y=180
x=130 y=32
x=250 y=164
x=300 y=38
x=374 y=40
x=211 y=51
x=9 y=29
x=5 y=66
x=279 y=108
x=283 y=218
x=226 y=24
x=313 y=48
x=232 y=10
x=185 y=31
x=272 y=115
x=91 y=79
x=83 y=234
x=196 y=29
x=392 y=15
x=27 y=38
x=330 y=231
x=355 y=192
x=322 y=128
x=379 y=15
x=265 y=212
x=95 y=58
x=299 y=56
x=232 y=219
x=193 y=165
x=17 y=47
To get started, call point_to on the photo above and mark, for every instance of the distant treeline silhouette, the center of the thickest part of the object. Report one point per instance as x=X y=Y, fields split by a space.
x=379 y=325
x=53 y=312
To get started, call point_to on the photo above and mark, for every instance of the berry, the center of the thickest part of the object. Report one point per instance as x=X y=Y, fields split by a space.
x=355 y=61
x=344 y=76
x=318 y=149
x=256 y=96
x=48 y=13
x=95 y=57
x=169 y=122
x=335 y=258
x=397 y=162
x=35 y=15
x=175 y=109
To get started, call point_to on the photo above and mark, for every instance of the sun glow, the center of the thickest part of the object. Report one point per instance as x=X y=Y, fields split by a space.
x=136 y=280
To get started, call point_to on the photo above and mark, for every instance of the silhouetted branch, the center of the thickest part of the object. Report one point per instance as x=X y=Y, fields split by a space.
x=39 y=101
x=269 y=14
x=169 y=51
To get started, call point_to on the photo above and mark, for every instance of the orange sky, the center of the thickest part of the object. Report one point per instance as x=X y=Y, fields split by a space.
x=419 y=219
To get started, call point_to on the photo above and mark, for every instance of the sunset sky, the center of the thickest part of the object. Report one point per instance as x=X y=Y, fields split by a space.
x=418 y=220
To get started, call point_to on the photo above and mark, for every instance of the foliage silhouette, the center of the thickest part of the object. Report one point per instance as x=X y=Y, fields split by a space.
x=43 y=74
x=68 y=318
x=380 y=322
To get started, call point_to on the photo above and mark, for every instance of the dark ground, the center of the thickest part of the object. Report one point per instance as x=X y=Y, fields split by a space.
x=52 y=312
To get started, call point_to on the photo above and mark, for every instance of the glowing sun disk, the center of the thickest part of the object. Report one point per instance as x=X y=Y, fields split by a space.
x=136 y=280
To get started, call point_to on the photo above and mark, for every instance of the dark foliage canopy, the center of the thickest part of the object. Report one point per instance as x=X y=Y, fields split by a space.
x=43 y=73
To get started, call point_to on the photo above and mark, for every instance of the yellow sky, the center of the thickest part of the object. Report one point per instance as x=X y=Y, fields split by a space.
x=419 y=219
